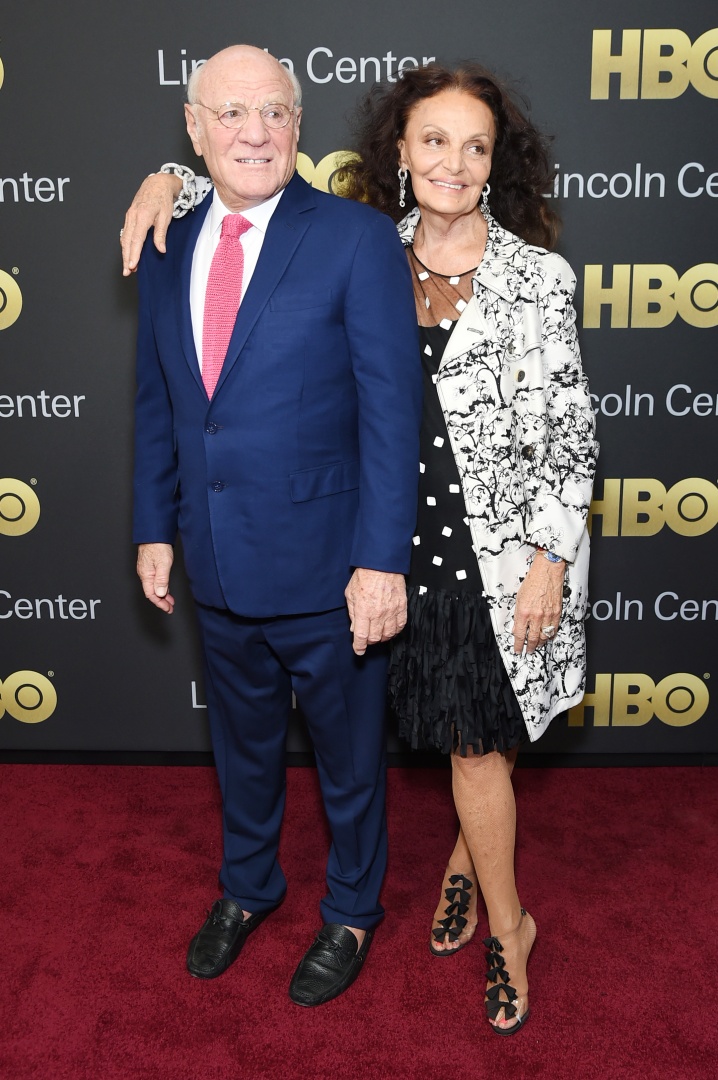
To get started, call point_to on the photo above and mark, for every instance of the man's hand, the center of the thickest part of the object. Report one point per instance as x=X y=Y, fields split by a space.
x=154 y=562
x=152 y=205
x=538 y=604
x=376 y=602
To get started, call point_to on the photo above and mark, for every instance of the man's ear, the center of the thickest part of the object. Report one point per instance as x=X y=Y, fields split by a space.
x=193 y=128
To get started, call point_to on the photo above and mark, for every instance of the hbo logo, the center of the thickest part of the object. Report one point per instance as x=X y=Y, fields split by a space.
x=28 y=697
x=632 y=700
x=642 y=507
x=10 y=295
x=655 y=64
x=651 y=294
x=323 y=175
x=19 y=507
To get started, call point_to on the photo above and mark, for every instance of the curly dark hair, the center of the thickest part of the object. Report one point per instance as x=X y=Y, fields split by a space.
x=520 y=171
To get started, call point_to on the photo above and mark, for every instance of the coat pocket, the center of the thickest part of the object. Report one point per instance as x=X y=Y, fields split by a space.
x=308 y=484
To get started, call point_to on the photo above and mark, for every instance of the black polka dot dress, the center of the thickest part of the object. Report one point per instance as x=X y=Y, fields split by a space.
x=447 y=682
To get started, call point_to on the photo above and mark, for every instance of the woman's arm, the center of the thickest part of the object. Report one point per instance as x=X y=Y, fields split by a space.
x=559 y=484
x=560 y=489
x=163 y=195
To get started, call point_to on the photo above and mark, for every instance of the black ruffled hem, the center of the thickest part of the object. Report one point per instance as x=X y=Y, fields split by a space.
x=447 y=682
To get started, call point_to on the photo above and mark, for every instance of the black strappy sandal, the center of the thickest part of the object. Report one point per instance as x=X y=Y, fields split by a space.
x=498 y=974
x=452 y=926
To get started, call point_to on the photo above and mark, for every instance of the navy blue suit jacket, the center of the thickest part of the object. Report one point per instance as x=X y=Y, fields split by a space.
x=304 y=465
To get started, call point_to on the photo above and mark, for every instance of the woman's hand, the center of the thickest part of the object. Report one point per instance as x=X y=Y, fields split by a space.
x=538 y=604
x=152 y=205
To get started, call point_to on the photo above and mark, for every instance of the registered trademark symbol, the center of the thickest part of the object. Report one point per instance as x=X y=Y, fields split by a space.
x=16 y=270
x=33 y=481
x=706 y=674
x=50 y=674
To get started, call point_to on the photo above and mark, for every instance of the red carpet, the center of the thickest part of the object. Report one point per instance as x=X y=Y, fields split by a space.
x=107 y=871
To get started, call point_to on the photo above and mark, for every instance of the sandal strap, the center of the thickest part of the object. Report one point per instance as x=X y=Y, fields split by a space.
x=494 y=1004
x=452 y=926
x=441 y=932
x=493 y=1001
x=456 y=908
x=463 y=882
x=452 y=894
x=457 y=898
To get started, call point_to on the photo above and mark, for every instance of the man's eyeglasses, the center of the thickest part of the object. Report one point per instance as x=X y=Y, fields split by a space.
x=234 y=115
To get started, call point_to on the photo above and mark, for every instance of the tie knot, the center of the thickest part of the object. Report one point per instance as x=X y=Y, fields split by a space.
x=234 y=225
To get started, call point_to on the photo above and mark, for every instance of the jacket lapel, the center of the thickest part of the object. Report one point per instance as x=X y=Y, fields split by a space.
x=471 y=330
x=184 y=272
x=284 y=234
x=501 y=272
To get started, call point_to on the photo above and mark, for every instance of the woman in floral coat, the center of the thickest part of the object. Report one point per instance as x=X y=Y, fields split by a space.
x=494 y=645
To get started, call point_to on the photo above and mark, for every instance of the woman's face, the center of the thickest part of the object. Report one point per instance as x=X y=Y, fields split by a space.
x=447 y=148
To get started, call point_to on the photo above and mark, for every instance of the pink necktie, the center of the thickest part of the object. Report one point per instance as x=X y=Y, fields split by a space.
x=221 y=302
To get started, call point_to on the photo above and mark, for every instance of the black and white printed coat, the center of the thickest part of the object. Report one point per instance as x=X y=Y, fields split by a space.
x=521 y=426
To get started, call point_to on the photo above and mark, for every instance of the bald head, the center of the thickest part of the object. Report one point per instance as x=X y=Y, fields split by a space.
x=237 y=56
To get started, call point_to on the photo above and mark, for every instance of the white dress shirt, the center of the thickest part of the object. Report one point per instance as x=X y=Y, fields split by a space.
x=206 y=246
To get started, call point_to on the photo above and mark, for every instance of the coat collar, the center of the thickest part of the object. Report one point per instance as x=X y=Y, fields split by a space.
x=504 y=266
x=190 y=233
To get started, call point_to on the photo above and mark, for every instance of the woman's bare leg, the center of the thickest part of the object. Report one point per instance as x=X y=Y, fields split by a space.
x=484 y=798
x=462 y=863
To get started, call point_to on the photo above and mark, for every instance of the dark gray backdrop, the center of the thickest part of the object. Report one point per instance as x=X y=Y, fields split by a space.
x=92 y=100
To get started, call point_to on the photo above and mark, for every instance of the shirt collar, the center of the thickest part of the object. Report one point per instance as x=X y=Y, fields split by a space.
x=258 y=216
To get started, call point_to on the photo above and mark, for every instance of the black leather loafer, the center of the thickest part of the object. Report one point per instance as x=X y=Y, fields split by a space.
x=221 y=938
x=329 y=966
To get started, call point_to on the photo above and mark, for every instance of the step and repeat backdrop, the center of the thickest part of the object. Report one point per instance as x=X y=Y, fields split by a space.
x=91 y=101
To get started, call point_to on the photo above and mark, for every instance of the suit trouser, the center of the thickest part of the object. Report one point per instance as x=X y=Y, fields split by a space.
x=251 y=667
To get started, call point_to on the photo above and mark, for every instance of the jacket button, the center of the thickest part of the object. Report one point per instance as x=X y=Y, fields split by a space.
x=218 y=486
x=527 y=452
x=520 y=375
x=510 y=348
x=211 y=428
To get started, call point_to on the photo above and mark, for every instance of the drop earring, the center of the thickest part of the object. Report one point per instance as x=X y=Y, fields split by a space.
x=402 y=174
x=485 y=199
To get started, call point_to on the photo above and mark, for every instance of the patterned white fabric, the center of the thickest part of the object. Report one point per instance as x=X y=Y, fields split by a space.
x=521 y=426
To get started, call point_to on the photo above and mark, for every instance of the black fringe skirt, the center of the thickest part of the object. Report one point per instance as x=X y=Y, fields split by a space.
x=447 y=682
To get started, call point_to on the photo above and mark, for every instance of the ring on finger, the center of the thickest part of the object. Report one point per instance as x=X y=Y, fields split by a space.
x=548 y=631
x=121 y=232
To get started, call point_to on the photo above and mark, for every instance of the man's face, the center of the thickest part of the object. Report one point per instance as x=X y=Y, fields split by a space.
x=250 y=164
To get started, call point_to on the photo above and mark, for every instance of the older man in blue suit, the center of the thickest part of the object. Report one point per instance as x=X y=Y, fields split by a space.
x=287 y=460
